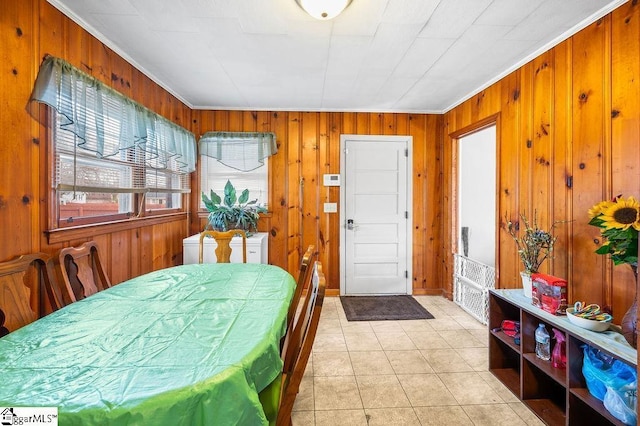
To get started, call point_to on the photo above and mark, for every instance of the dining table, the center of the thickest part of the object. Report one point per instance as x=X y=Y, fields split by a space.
x=187 y=345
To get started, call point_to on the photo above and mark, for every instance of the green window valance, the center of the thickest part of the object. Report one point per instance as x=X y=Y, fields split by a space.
x=106 y=122
x=244 y=151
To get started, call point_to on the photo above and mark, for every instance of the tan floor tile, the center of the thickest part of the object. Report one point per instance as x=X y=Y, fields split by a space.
x=362 y=341
x=482 y=335
x=428 y=340
x=436 y=312
x=355 y=326
x=386 y=326
x=370 y=363
x=329 y=343
x=415 y=325
x=391 y=417
x=477 y=358
x=469 y=322
x=407 y=362
x=328 y=312
x=452 y=309
x=396 y=341
x=469 y=388
x=302 y=418
x=492 y=415
x=329 y=326
x=498 y=387
x=381 y=392
x=445 y=323
x=304 y=399
x=332 y=364
x=439 y=416
x=336 y=392
x=460 y=339
x=526 y=414
x=445 y=360
x=341 y=418
x=426 y=390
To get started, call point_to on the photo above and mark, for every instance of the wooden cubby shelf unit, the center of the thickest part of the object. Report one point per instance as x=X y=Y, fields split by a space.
x=557 y=396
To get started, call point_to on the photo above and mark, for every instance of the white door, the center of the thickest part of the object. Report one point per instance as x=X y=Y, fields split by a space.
x=375 y=215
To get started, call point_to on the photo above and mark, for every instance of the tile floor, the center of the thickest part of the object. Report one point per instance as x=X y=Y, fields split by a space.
x=419 y=372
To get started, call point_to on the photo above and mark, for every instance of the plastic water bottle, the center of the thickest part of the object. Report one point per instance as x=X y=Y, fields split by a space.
x=543 y=343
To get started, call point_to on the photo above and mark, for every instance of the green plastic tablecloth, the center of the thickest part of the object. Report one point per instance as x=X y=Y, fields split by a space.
x=188 y=345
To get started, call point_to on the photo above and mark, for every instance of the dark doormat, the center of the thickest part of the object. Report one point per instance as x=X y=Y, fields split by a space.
x=378 y=308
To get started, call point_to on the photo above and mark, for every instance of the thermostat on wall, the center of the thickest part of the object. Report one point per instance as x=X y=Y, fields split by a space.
x=331 y=180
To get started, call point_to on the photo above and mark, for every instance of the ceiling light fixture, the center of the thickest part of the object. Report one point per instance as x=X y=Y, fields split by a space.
x=323 y=9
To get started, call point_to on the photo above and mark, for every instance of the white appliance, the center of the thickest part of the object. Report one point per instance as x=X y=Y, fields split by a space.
x=257 y=249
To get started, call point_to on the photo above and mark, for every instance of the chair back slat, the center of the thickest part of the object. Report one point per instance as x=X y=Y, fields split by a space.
x=302 y=282
x=18 y=278
x=82 y=272
x=298 y=344
x=223 y=241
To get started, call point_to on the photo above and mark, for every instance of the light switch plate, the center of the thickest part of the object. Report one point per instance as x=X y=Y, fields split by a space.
x=330 y=207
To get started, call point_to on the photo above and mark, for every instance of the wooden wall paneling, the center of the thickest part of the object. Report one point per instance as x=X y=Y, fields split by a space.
x=589 y=169
x=278 y=204
x=541 y=177
x=145 y=249
x=435 y=210
x=323 y=234
x=333 y=219
x=309 y=158
x=508 y=264
x=448 y=242
x=294 y=219
x=421 y=202
x=362 y=124
x=561 y=164
x=18 y=203
x=121 y=256
x=525 y=147
x=625 y=129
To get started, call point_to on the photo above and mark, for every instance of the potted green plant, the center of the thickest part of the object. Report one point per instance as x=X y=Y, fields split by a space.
x=232 y=212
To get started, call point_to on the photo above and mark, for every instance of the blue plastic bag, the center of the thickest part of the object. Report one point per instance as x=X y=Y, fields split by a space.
x=600 y=370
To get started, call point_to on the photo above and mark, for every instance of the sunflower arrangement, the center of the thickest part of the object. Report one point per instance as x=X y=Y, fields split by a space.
x=534 y=245
x=619 y=223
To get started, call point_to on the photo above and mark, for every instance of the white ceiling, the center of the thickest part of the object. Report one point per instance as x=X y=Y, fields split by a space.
x=379 y=55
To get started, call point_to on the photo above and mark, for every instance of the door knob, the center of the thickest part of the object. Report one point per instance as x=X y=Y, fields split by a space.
x=350 y=224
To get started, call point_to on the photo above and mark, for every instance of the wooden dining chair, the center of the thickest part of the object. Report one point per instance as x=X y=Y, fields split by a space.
x=223 y=241
x=19 y=278
x=304 y=274
x=82 y=272
x=298 y=344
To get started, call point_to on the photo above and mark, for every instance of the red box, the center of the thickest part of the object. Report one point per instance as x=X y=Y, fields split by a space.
x=549 y=293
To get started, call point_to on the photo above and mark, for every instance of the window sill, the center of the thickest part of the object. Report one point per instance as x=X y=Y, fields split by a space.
x=61 y=235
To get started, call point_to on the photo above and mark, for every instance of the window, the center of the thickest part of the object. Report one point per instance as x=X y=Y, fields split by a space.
x=112 y=158
x=238 y=157
x=214 y=176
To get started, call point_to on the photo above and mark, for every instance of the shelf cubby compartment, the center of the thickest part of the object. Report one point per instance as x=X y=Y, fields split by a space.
x=504 y=362
x=585 y=409
x=500 y=310
x=544 y=394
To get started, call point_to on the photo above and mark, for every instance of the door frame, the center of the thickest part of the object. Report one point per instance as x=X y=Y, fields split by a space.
x=492 y=120
x=408 y=140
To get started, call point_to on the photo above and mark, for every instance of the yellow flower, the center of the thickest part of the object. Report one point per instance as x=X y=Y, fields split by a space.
x=621 y=214
x=599 y=208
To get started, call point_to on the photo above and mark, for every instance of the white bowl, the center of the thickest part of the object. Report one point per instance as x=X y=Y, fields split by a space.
x=593 y=325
